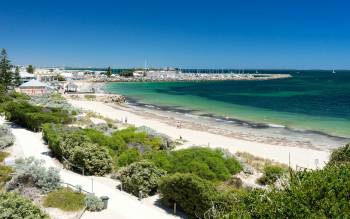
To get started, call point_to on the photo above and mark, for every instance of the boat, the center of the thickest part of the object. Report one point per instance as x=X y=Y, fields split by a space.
x=333 y=71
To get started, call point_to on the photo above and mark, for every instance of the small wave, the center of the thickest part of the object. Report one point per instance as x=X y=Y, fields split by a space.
x=149 y=106
x=276 y=126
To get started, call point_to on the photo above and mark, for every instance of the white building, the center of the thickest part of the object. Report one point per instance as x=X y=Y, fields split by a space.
x=35 y=88
x=25 y=77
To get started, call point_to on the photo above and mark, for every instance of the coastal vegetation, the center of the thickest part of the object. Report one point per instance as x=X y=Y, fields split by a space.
x=65 y=199
x=206 y=163
x=191 y=193
x=271 y=173
x=30 y=172
x=93 y=203
x=72 y=145
x=32 y=117
x=340 y=155
x=140 y=178
x=5 y=171
x=13 y=206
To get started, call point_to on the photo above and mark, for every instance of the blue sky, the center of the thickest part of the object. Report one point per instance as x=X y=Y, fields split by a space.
x=178 y=33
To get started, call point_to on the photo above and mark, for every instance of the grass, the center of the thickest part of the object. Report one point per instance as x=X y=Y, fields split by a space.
x=3 y=155
x=65 y=199
x=5 y=171
x=90 y=97
x=259 y=163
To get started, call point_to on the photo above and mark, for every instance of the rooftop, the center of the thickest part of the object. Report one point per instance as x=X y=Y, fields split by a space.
x=34 y=83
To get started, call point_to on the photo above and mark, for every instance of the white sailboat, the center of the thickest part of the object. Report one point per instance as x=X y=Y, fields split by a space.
x=333 y=71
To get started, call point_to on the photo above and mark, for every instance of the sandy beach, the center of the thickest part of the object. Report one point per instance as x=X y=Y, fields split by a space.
x=301 y=156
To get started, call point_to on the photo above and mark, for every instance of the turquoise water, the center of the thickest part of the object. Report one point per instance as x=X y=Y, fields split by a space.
x=309 y=101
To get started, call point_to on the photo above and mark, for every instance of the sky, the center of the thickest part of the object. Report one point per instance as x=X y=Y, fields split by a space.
x=298 y=34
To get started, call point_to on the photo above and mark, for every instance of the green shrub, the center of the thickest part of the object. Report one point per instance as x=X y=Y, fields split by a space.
x=32 y=117
x=204 y=162
x=13 y=206
x=52 y=135
x=65 y=199
x=141 y=177
x=90 y=97
x=93 y=203
x=31 y=172
x=94 y=159
x=130 y=137
x=5 y=175
x=75 y=146
x=310 y=194
x=192 y=194
x=340 y=155
x=129 y=156
x=3 y=155
x=271 y=174
x=6 y=137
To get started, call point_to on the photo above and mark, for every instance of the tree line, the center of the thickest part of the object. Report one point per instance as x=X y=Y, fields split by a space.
x=10 y=78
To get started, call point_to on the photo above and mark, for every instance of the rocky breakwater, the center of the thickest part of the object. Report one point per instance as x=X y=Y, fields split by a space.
x=106 y=98
x=112 y=98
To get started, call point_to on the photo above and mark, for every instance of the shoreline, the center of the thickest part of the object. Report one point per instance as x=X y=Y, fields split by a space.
x=188 y=77
x=231 y=120
x=194 y=136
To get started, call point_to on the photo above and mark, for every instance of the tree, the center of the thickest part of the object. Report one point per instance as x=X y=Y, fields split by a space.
x=109 y=72
x=17 y=77
x=5 y=70
x=30 y=69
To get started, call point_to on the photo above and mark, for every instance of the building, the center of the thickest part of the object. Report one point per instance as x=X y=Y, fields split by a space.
x=25 y=77
x=35 y=88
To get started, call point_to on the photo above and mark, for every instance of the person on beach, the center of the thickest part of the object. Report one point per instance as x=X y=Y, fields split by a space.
x=178 y=124
x=126 y=119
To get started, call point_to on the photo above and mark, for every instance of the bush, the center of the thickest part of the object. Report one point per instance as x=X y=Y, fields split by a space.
x=3 y=155
x=192 y=194
x=340 y=155
x=204 y=162
x=129 y=156
x=94 y=159
x=31 y=172
x=75 y=146
x=13 y=206
x=271 y=174
x=5 y=175
x=142 y=177
x=32 y=117
x=52 y=135
x=6 y=136
x=310 y=194
x=93 y=203
x=130 y=137
x=65 y=199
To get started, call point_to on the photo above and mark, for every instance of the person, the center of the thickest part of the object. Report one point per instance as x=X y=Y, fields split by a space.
x=126 y=119
x=178 y=124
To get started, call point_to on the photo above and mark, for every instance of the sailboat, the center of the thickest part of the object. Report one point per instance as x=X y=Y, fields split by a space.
x=333 y=71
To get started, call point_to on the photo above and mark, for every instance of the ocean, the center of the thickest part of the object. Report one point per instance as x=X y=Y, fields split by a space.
x=311 y=101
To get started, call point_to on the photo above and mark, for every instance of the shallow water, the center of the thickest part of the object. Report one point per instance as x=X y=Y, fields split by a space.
x=310 y=101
